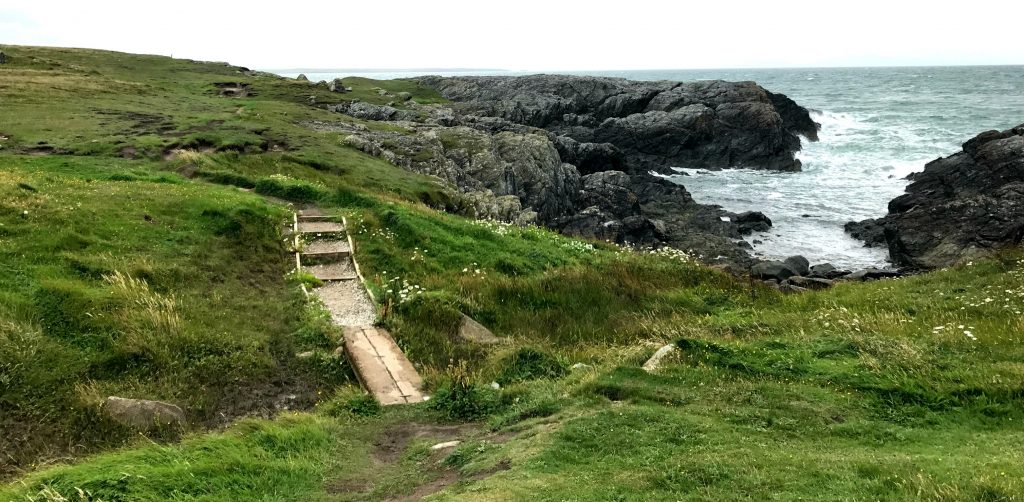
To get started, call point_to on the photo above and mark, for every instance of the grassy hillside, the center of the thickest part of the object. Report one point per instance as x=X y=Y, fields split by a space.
x=139 y=259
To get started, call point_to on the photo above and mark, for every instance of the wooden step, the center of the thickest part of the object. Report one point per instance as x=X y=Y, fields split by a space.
x=324 y=257
x=381 y=366
x=317 y=217
x=328 y=277
x=321 y=227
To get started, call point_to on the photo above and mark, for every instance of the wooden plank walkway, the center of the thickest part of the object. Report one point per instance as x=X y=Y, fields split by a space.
x=379 y=363
x=381 y=366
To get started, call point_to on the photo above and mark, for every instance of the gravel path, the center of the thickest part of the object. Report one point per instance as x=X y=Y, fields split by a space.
x=339 y=269
x=326 y=246
x=348 y=303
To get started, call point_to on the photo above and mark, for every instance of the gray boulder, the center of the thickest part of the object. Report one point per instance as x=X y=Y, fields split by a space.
x=870 y=274
x=799 y=264
x=773 y=270
x=302 y=78
x=810 y=282
x=143 y=415
x=827 y=271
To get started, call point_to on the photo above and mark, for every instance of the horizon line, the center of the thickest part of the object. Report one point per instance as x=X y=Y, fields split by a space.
x=467 y=69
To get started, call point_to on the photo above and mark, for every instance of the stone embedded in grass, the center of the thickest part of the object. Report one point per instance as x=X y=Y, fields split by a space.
x=473 y=331
x=446 y=445
x=656 y=360
x=143 y=415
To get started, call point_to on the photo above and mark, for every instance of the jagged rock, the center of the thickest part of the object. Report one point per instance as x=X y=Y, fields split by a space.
x=531 y=138
x=368 y=111
x=143 y=415
x=799 y=264
x=772 y=270
x=611 y=192
x=589 y=157
x=655 y=125
x=525 y=166
x=752 y=221
x=961 y=207
x=592 y=223
x=871 y=231
x=302 y=78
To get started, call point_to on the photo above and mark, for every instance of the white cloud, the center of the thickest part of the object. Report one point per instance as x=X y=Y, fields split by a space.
x=532 y=34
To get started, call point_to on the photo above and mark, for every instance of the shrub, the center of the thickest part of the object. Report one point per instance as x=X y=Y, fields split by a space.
x=461 y=399
x=529 y=364
x=227 y=178
x=351 y=401
x=288 y=188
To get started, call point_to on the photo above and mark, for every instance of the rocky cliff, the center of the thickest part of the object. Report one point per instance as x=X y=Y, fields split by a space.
x=575 y=153
x=652 y=125
x=967 y=205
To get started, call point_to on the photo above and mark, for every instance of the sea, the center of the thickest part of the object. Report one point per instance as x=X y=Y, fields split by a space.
x=878 y=125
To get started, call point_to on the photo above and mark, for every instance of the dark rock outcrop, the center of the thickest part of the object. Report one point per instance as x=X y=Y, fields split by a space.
x=752 y=221
x=3 y=58
x=871 y=231
x=960 y=207
x=575 y=153
x=655 y=125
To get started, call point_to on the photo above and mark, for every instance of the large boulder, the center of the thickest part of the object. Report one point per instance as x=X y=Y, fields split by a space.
x=143 y=415
x=961 y=207
x=777 y=270
x=302 y=78
x=3 y=58
x=799 y=264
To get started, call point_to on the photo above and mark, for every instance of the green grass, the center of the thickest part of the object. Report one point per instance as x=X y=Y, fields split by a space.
x=119 y=279
x=161 y=278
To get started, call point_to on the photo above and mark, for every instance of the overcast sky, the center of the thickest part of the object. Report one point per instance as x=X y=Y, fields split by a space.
x=533 y=34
